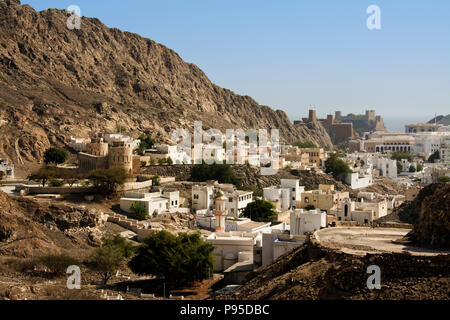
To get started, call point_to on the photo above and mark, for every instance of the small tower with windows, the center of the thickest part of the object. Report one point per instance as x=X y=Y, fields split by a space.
x=220 y=211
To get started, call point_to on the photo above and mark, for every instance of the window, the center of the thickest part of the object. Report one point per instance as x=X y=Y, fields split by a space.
x=230 y=199
x=196 y=196
x=306 y=199
x=293 y=189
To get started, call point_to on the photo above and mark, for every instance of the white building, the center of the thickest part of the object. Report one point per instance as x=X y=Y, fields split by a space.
x=79 y=144
x=175 y=153
x=302 y=221
x=387 y=167
x=202 y=198
x=154 y=202
x=237 y=200
x=428 y=143
x=277 y=243
x=444 y=151
x=208 y=221
x=113 y=137
x=286 y=196
x=7 y=169
x=230 y=248
x=406 y=165
x=362 y=212
x=358 y=180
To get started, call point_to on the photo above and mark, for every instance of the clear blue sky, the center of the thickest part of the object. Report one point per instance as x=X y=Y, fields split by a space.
x=290 y=54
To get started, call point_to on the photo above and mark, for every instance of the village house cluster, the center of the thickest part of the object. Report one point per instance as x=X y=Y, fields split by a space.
x=240 y=243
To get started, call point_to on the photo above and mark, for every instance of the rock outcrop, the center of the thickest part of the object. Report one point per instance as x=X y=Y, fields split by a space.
x=251 y=176
x=56 y=83
x=430 y=215
x=317 y=273
x=29 y=227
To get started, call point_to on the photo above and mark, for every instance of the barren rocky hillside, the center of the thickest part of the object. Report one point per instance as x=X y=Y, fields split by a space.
x=56 y=83
x=251 y=176
x=430 y=215
x=314 y=272
x=29 y=227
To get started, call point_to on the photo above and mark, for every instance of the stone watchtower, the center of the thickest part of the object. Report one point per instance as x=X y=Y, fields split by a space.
x=312 y=115
x=121 y=155
x=220 y=211
x=370 y=115
x=97 y=147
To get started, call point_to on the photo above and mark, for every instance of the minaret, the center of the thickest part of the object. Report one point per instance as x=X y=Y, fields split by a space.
x=220 y=212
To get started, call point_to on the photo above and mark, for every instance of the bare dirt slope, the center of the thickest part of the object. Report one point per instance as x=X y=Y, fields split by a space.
x=29 y=227
x=313 y=272
x=56 y=82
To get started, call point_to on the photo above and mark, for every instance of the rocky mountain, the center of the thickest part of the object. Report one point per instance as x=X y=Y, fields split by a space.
x=56 y=83
x=445 y=120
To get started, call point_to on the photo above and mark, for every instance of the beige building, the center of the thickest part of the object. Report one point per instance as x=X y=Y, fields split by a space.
x=230 y=248
x=101 y=155
x=325 y=198
x=307 y=156
x=361 y=212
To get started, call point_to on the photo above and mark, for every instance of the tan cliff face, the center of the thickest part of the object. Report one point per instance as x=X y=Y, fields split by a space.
x=56 y=82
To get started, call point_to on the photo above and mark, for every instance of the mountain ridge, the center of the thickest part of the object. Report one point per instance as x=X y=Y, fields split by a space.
x=56 y=83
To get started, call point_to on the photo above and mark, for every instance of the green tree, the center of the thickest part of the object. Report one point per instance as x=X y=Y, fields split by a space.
x=156 y=180
x=180 y=259
x=221 y=172
x=306 y=144
x=412 y=168
x=121 y=243
x=161 y=161
x=399 y=167
x=70 y=177
x=336 y=166
x=261 y=211
x=56 y=183
x=310 y=207
x=106 y=261
x=54 y=155
x=43 y=175
x=147 y=142
x=138 y=211
x=169 y=161
x=419 y=167
x=108 y=180
x=435 y=156
x=57 y=263
x=444 y=179
x=398 y=155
